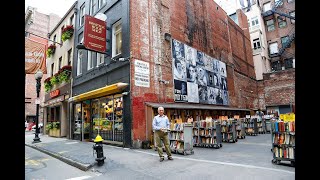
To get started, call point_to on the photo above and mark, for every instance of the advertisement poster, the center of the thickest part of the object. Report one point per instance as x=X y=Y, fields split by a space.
x=35 y=57
x=141 y=73
x=203 y=77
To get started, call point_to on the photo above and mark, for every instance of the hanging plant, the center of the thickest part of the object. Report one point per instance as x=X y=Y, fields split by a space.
x=51 y=49
x=67 y=32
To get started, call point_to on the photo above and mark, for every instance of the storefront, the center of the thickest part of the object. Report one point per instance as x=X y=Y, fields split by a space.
x=99 y=111
x=56 y=111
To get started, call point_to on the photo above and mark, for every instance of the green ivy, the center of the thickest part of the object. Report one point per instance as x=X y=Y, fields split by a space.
x=47 y=86
x=66 y=35
x=64 y=76
x=54 y=80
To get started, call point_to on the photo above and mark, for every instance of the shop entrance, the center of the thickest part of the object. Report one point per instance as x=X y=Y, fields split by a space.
x=81 y=123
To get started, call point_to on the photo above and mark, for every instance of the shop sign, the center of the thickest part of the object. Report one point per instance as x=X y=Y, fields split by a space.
x=141 y=73
x=95 y=34
x=58 y=99
x=54 y=93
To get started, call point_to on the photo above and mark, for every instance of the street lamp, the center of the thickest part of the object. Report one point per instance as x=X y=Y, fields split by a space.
x=38 y=77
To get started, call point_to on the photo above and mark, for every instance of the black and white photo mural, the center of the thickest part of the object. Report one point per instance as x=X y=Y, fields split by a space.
x=197 y=77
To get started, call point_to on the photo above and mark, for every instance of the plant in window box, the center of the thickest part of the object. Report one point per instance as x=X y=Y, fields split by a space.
x=51 y=49
x=47 y=84
x=67 y=32
x=54 y=79
x=64 y=74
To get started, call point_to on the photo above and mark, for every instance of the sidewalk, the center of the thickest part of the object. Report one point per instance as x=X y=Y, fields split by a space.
x=248 y=157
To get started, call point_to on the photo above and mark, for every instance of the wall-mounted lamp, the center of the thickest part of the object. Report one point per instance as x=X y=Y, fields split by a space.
x=167 y=36
x=125 y=93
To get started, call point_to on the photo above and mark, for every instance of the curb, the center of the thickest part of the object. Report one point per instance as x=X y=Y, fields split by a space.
x=83 y=167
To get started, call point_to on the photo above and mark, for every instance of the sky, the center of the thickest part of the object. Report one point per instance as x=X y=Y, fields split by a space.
x=59 y=7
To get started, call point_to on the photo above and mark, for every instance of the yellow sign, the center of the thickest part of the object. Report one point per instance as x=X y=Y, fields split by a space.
x=287 y=117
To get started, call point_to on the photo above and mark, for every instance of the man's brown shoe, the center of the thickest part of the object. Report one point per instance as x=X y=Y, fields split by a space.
x=161 y=159
x=170 y=158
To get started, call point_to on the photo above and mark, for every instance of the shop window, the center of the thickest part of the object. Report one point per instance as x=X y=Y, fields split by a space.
x=82 y=13
x=284 y=41
x=273 y=48
x=117 y=38
x=282 y=22
x=288 y=63
x=267 y=6
x=270 y=25
x=292 y=13
x=256 y=43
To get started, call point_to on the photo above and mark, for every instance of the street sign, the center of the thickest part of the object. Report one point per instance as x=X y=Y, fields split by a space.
x=37 y=101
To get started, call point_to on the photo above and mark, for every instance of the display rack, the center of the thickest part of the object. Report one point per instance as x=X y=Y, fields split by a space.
x=207 y=133
x=180 y=137
x=251 y=126
x=267 y=120
x=240 y=128
x=283 y=142
x=228 y=130
x=261 y=126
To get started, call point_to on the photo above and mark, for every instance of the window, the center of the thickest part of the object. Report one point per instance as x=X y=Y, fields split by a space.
x=267 y=7
x=273 y=48
x=288 y=63
x=55 y=38
x=61 y=42
x=270 y=25
x=116 y=39
x=52 y=68
x=254 y=21
x=292 y=13
x=79 y=62
x=69 y=57
x=100 y=59
x=256 y=43
x=90 y=59
x=101 y=3
x=82 y=12
x=71 y=20
x=284 y=40
x=282 y=22
x=276 y=66
x=60 y=62
x=94 y=7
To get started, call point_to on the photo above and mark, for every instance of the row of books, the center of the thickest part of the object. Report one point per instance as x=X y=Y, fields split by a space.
x=227 y=128
x=205 y=123
x=208 y=132
x=280 y=139
x=281 y=126
x=204 y=140
x=176 y=136
x=284 y=152
x=176 y=145
x=250 y=130
x=176 y=126
x=228 y=136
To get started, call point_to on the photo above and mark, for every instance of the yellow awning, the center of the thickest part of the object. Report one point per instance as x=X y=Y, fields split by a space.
x=104 y=91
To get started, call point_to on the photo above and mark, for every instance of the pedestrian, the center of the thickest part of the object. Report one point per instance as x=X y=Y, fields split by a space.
x=161 y=126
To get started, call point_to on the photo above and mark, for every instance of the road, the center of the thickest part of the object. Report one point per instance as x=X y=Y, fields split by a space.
x=42 y=166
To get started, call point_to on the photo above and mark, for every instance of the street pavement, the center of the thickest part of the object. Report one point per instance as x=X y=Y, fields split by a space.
x=249 y=158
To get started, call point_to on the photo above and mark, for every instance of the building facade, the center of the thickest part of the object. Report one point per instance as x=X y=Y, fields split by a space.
x=58 y=83
x=37 y=27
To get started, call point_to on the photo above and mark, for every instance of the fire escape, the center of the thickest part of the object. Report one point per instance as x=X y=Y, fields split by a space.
x=291 y=33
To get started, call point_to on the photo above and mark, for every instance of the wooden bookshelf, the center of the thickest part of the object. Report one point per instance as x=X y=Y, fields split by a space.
x=228 y=130
x=207 y=133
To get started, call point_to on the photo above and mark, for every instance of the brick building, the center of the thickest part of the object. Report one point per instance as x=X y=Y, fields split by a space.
x=37 y=27
x=118 y=93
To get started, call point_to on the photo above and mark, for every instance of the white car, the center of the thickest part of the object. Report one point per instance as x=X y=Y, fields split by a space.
x=40 y=125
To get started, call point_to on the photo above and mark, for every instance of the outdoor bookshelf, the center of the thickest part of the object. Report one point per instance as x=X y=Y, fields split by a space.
x=180 y=137
x=228 y=130
x=240 y=128
x=251 y=127
x=207 y=133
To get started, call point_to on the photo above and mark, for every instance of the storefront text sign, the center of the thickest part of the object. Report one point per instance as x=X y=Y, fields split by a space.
x=54 y=93
x=141 y=73
x=58 y=99
x=95 y=34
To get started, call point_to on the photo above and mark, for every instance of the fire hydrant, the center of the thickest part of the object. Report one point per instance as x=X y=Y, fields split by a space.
x=99 y=150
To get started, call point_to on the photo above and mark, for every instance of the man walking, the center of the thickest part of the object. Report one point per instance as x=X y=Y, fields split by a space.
x=161 y=126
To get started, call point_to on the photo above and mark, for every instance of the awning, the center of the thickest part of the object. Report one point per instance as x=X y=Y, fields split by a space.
x=104 y=91
x=193 y=106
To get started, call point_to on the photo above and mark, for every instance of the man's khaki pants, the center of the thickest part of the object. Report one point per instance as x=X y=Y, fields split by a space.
x=164 y=136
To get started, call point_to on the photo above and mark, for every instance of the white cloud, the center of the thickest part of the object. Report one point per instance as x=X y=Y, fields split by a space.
x=59 y=7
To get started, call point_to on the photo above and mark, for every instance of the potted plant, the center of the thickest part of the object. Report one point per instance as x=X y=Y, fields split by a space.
x=67 y=32
x=51 y=49
x=48 y=128
x=64 y=74
x=47 y=84
x=56 y=129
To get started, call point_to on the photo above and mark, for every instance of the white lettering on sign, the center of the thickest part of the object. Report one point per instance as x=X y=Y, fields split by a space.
x=142 y=73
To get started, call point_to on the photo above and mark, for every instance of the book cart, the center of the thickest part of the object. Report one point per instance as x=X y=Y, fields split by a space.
x=207 y=133
x=180 y=137
x=228 y=130
x=283 y=141
x=267 y=120
x=240 y=128
x=261 y=126
x=251 y=126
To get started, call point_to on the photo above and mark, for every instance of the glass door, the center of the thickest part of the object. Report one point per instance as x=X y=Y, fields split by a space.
x=77 y=125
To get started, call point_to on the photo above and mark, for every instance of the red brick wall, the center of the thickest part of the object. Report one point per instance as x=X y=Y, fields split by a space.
x=279 y=87
x=199 y=24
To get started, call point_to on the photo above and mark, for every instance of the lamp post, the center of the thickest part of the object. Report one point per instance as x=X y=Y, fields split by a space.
x=38 y=77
